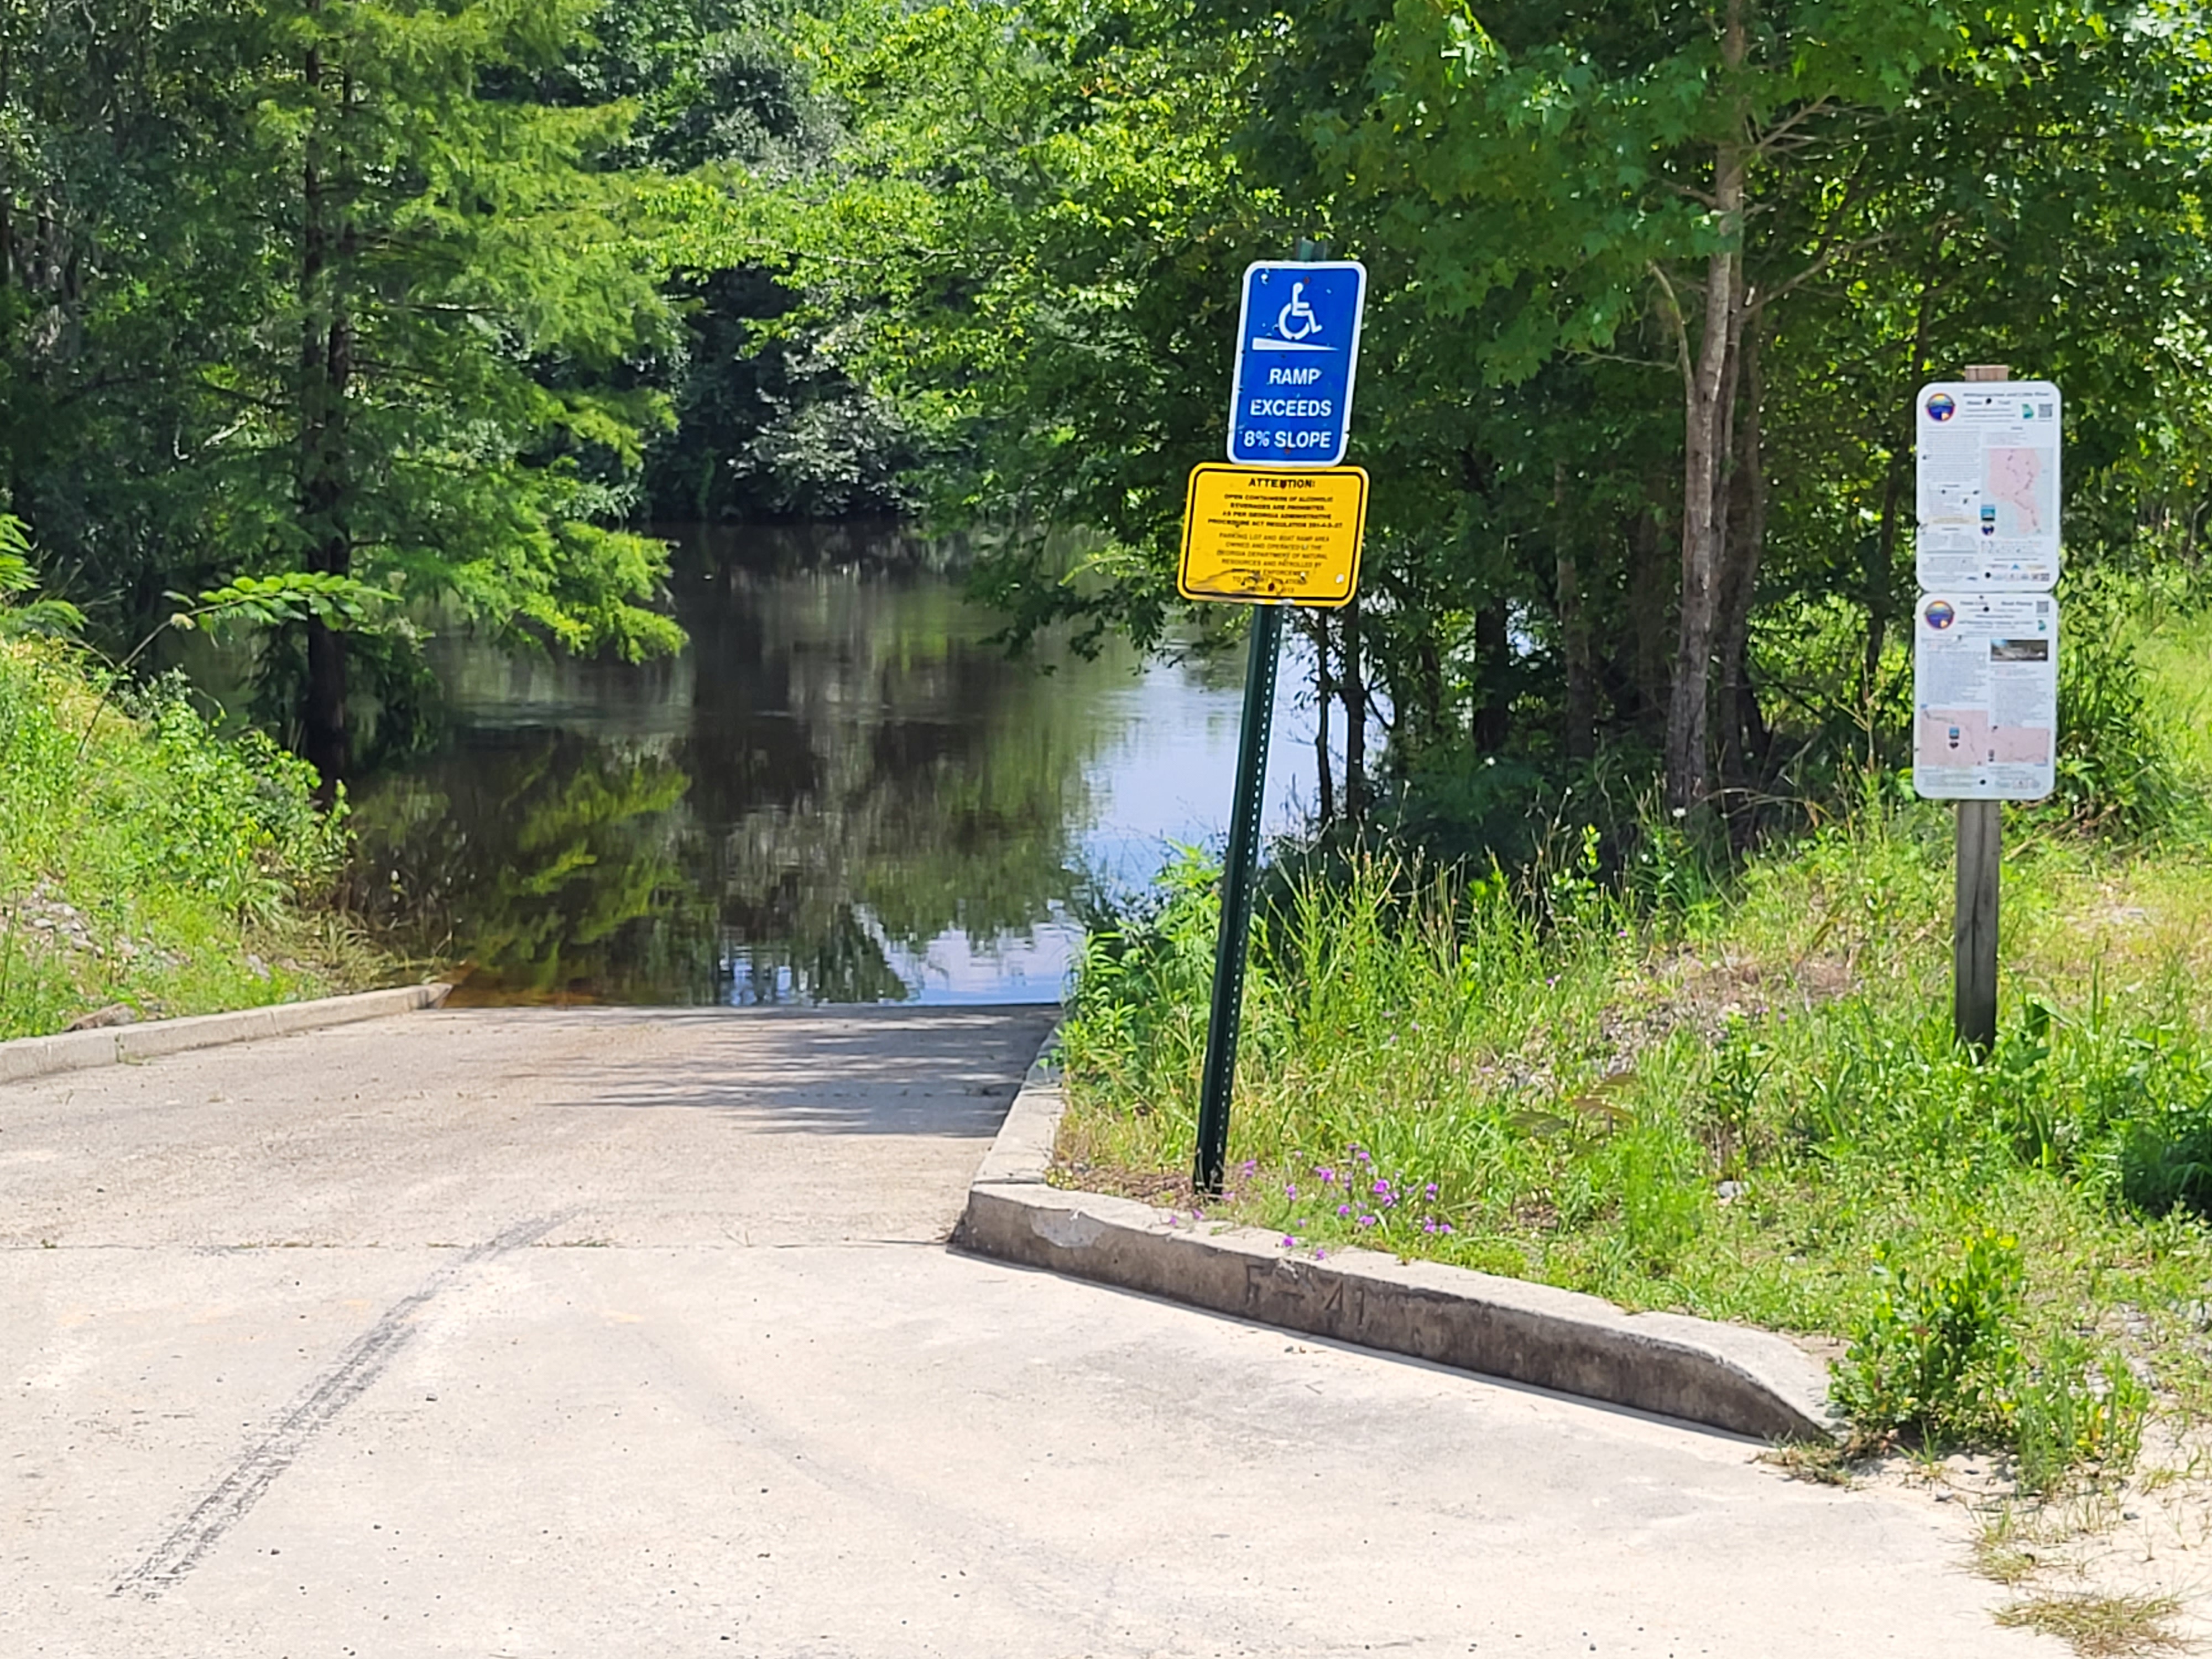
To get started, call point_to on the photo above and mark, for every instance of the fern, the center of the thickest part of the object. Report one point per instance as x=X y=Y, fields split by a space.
x=19 y=616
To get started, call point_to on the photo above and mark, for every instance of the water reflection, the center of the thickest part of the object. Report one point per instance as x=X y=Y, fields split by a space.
x=840 y=792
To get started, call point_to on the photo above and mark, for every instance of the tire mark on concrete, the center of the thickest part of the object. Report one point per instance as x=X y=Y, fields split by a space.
x=363 y=1361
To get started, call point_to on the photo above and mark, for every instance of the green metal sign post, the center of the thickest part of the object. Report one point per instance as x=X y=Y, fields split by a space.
x=1238 y=877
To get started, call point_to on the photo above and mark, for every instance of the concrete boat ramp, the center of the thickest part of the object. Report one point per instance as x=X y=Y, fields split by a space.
x=606 y=1334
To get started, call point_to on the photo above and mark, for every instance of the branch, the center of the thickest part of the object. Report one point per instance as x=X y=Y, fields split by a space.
x=1771 y=138
x=1839 y=251
x=267 y=405
x=1616 y=357
x=1681 y=327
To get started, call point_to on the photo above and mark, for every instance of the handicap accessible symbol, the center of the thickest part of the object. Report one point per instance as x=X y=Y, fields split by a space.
x=1294 y=322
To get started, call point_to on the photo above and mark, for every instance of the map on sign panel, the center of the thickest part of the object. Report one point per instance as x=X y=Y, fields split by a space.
x=1297 y=345
x=1989 y=455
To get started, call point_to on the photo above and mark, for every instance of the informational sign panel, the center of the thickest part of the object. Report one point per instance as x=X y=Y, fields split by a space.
x=1297 y=346
x=1985 y=696
x=1260 y=535
x=1989 y=454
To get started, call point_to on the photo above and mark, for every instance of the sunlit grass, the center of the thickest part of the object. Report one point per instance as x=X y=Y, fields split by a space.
x=146 y=863
x=1733 y=1098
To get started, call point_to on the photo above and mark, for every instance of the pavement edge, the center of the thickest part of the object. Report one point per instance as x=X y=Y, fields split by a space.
x=115 y=1045
x=1726 y=1376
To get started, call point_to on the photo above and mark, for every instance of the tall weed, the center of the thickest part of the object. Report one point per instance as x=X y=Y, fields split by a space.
x=2080 y=1409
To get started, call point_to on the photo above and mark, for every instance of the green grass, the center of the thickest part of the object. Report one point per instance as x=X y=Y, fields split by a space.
x=1738 y=1097
x=147 y=862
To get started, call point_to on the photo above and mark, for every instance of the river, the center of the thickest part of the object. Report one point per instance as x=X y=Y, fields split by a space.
x=841 y=790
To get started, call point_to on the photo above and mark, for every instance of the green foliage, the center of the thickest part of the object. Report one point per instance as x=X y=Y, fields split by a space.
x=21 y=615
x=149 y=861
x=1138 y=1011
x=237 y=819
x=1937 y=1351
x=2117 y=752
x=1024 y=240
x=287 y=599
x=308 y=286
x=1026 y=233
x=2165 y=1152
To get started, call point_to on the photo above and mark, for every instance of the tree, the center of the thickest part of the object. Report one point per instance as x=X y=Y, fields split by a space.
x=443 y=249
x=341 y=300
x=1643 y=275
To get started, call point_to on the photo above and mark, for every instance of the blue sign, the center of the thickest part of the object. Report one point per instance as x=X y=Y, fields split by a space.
x=1298 y=342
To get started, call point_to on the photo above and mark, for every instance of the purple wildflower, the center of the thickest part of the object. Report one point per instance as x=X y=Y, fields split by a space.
x=1429 y=1190
x=1367 y=1221
x=1344 y=1209
x=1381 y=1188
x=1326 y=1173
x=1291 y=1189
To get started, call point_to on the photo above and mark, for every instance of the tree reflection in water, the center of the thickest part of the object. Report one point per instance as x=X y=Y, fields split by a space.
x=839 y=793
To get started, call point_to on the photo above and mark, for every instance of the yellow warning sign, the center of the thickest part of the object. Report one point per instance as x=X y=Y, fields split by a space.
x=1256 y=533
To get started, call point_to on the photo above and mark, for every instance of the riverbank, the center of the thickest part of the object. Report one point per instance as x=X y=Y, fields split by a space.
x=150 y=868
x=1739 y=1098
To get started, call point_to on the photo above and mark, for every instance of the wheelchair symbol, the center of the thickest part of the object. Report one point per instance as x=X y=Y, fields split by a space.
x=1299 y=312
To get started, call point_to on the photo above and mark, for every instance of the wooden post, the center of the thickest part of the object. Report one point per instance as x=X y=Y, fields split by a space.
x=1974 y=926
x=1974 y=919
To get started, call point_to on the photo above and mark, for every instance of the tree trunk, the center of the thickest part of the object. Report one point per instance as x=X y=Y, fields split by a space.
x=1324 y=693
x=325 y=370
x=1580 y=737
x=1706 y=416
x=1881 y=566
x=1352 y=689
x=1742 y=731
x=1493 y=711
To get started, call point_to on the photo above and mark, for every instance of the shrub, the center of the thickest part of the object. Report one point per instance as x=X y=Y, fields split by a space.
x=2115 y=760
x=2166 y=1159
x=1936 y=1353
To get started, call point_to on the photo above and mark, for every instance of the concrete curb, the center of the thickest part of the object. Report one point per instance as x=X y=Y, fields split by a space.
x=1728 y=1377
x=115 y=1045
